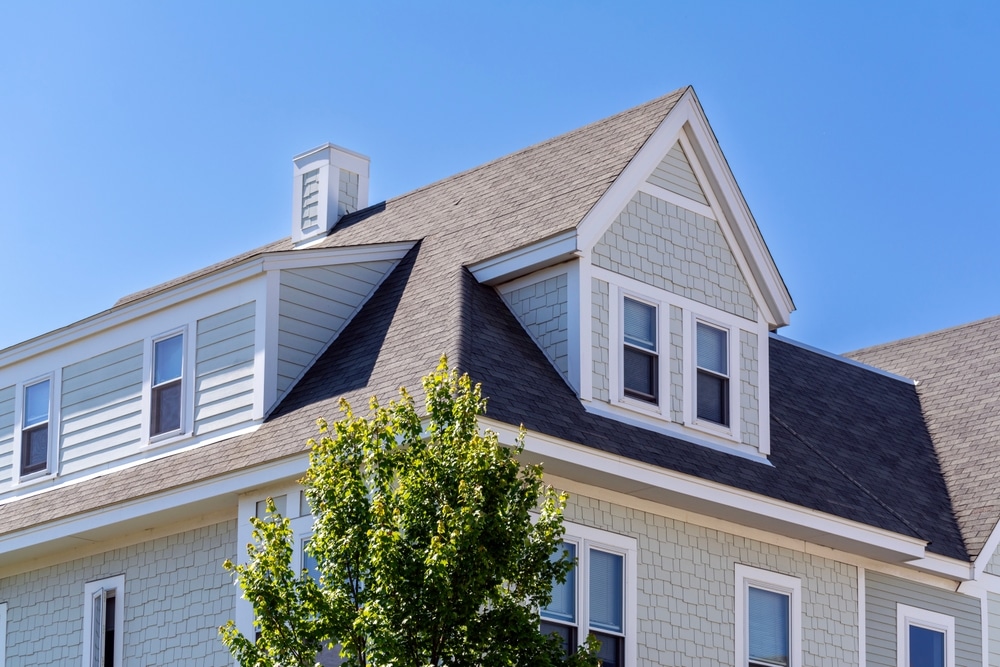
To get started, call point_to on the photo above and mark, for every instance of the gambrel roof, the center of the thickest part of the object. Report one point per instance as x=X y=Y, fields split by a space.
x=842 y=435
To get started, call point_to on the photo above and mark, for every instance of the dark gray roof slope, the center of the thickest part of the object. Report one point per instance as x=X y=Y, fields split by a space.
x=842 y=436
x=958 y=372
x=511 y=202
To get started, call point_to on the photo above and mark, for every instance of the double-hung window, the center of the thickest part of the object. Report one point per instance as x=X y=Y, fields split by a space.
x=639 y=353
x=595 y=598
x=103 y=622
x=35 y=427
x=167 y=390
x=768 y=613
x=713 y=373
x=924 y=638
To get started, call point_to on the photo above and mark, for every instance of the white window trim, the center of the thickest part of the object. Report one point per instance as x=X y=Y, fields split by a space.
x=187 y=392
x=732 y=431
x=586 y=538
x=746 y=577
x=51 y=467
x=621 y=287
x=117 y=584
x=3 y=634
x=931 y=620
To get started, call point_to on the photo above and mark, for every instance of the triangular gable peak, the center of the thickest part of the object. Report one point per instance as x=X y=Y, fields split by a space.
x=683 y=293
x=656 y=308
x=681 y=163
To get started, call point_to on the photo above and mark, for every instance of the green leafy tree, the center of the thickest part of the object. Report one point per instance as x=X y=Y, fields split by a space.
x=424 y=541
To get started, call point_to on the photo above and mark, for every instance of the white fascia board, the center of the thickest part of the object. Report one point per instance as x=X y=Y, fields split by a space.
x=625 y=475
x=220 y=279
x=233 y=483
x=687 y=123
x=304 y=258
x=502 y=268
x=950 y=567
x=986 y=553
x=708 y=151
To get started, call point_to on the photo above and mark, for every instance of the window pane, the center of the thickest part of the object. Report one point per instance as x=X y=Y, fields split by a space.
x=712 y=353
x=563 y=605
x=309 y=563
x=166 y=408
x=640 y=372
x=926 y=647
x=713 y=398
x=640 y=324
x=611 y=653
x=566 y=634
x=167 y=357
x=34 y=449
x=36 y=403
x=606 y=572
x=768 y=613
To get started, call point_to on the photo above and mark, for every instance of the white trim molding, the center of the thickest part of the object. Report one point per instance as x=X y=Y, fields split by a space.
x=751 y=577
x=907 y=616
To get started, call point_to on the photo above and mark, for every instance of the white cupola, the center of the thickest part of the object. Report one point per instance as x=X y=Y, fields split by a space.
x=329 y=182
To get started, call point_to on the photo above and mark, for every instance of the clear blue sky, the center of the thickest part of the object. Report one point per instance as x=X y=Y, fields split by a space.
x=143 y=140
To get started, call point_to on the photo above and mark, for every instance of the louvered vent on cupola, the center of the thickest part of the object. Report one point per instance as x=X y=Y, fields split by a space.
x=329 y=182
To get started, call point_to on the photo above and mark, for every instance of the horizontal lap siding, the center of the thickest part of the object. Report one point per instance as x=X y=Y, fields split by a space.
x=883 y=593
x=224 y=365
x=675 y=174
x=6 y=433
x=101 y=407
x=314 y=305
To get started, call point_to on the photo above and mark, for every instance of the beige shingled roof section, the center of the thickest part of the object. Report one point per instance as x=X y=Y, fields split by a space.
x=958 y=372
x=487 y=211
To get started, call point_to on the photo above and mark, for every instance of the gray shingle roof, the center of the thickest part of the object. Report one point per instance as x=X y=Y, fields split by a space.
x=958 y=372
x=511 y=202
x=842 y=435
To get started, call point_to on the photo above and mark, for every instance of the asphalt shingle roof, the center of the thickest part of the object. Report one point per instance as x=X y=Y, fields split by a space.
x=957 y=372
x=842 y=435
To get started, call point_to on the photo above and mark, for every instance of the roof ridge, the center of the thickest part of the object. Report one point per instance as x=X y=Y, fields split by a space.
x=542 y=144
x=928 y=334
x=833 y=356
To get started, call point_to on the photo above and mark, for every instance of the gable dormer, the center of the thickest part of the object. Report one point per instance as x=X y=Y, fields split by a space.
x=656 y=308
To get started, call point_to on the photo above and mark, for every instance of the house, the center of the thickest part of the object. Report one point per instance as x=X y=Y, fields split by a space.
x=736 y=497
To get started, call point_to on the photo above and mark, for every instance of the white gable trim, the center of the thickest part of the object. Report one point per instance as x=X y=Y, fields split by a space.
x=686 y=123
x=530 y=258
x=986 y=553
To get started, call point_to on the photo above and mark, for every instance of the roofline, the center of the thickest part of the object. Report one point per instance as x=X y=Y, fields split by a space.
x=846 y=360
x=618 y=473
x=219 y=279
x=922 y=336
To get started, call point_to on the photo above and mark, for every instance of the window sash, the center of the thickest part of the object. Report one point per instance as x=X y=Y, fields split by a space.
x=769 y=626
x=926 y=646
x=166 y=392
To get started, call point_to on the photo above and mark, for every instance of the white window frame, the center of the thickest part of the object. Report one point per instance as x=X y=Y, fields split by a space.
x=187 y=372
x=3 y=634
x=621 y=288
x=586 y=538
x=747 y=577
x=907 y=616
x=90 y=591
x=657 y=353
x=53 y=428
x=733 y=429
